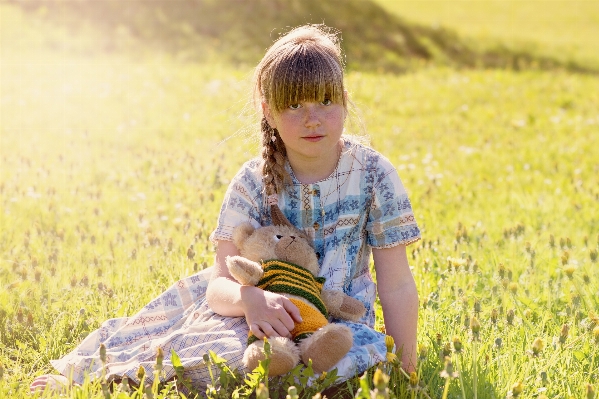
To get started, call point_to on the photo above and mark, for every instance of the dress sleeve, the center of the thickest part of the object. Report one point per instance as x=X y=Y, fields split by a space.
x=390 y=220
x=242 y=203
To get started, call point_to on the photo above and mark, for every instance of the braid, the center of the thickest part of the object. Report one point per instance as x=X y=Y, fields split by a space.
x=273 y=154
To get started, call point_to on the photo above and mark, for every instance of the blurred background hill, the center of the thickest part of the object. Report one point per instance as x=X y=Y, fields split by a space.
x=376 y=34
x=561 y=29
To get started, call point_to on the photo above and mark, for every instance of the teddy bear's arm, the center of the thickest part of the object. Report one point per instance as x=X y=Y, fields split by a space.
x=343 y=306
x=245 y=271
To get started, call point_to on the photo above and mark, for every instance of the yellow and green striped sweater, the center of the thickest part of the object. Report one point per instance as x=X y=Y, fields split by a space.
x=286 y=278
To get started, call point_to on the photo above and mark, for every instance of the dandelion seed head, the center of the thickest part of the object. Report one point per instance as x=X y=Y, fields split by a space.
x=448 y=371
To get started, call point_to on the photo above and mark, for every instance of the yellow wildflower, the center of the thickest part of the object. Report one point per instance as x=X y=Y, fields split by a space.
x=389 y=343
x=517 y=389
x=537 y=346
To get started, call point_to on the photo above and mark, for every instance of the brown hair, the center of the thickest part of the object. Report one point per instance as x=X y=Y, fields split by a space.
x=306 y=64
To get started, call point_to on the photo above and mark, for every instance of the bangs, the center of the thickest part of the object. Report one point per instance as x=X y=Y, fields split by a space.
x=306 y=74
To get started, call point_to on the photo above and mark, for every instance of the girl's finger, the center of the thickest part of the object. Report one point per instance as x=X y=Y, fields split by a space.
x=285 y=319
x=255 y=329
x=267 y=330
x=292 y=311
x=281 y=329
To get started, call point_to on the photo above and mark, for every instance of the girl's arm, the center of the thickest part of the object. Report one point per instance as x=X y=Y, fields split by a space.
x=267 y=314
x=399 y=299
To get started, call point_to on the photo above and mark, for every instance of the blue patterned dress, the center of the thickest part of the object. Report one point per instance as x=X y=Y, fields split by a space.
x=360 y=206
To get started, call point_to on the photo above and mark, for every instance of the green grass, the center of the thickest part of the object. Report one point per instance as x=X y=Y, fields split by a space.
x=111 y=165
x=565 y=29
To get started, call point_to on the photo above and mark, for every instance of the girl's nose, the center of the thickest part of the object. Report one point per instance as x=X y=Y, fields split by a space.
x=312 y=116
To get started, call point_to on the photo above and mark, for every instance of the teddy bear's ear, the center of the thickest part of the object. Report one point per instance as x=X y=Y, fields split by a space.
x=241 y=234
x=278 y=218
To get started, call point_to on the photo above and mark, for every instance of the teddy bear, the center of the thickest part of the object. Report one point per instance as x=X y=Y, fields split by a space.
x=280 y=258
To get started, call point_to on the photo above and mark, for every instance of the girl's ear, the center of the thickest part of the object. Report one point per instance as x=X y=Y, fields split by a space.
x=268 y=115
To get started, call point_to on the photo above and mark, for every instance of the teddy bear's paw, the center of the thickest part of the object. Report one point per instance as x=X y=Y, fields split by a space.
x=244 y=270
x=342 y=306
x=352 y=309
x=326 y=346
x=284 y=355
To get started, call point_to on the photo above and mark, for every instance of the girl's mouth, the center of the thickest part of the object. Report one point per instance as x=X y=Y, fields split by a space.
x=313 y=138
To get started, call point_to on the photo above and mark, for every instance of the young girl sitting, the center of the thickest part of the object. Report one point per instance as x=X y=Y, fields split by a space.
x=346 y=197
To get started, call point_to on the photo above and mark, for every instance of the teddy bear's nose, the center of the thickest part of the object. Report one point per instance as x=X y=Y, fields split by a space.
x=292 y=237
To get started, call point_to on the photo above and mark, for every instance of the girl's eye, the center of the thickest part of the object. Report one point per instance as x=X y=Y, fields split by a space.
x=295 y=106
x=327 y=101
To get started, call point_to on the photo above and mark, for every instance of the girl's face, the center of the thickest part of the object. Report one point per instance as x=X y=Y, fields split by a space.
x=310 y=130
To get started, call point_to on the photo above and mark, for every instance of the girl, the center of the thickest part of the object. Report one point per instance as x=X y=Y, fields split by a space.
x=346 y=197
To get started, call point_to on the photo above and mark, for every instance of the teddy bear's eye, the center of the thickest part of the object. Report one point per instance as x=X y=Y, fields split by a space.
x=278 y=237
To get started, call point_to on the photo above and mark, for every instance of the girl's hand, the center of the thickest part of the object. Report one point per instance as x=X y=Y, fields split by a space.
x=268 y=314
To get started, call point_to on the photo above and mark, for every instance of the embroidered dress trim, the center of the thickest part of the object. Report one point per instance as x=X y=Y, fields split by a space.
x=412 y=241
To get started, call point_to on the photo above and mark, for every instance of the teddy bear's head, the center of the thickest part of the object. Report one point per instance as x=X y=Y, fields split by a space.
x=275 y=242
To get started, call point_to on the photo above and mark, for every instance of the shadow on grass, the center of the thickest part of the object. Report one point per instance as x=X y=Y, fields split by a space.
x=239 y=31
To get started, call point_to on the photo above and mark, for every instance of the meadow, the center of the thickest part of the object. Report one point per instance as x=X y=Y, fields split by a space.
x=113 y=162
x=567 y=29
